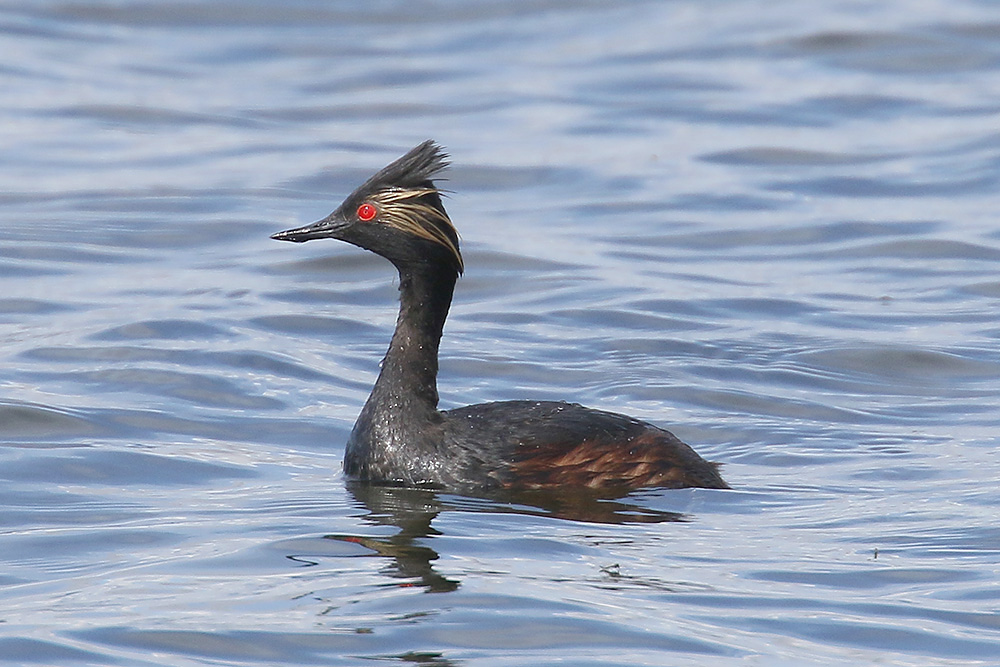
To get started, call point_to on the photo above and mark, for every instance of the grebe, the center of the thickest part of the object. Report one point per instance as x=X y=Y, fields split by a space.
x=402 y=438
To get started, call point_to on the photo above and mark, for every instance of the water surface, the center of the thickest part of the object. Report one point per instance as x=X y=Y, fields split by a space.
x=772 y=230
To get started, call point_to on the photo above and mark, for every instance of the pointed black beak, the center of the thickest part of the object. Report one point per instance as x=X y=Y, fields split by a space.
x=326 y=228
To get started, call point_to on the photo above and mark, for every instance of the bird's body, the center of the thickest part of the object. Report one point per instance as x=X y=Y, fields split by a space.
x=401 y=437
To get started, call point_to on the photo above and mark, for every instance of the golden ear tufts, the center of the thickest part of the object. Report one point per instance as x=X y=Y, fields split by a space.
x=411 y=211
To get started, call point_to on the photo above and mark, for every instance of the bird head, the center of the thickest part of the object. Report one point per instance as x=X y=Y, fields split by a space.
x=397 y=213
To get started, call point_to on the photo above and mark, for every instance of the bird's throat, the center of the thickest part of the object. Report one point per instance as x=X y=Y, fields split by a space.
x=403 y=403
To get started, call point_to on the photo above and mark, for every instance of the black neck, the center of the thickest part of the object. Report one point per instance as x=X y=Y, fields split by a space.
x=404 y=399
x=410 y=366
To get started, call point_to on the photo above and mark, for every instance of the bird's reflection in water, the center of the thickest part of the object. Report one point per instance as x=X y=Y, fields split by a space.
x=412 y=510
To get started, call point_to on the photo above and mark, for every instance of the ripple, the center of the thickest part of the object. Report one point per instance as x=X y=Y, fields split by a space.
x=162 y=330
x=470 y=630
x=191 y=387
x=902 y=363
x=119 y=468
x=988 y=289
x=36 y=651
x=33 y=422
x=31 y=307
x=856 y=186
x=921 y=53
x=789 y=157
x=930 y=249
x=878 y=636
x=28 y=510
x=314 y=325
x=244 y=360
x=874 y=578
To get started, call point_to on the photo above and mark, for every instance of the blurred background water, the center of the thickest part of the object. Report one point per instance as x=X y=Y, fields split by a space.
x=768 y=227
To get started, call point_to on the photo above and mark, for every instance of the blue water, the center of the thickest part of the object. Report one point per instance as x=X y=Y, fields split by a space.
x=771 y=228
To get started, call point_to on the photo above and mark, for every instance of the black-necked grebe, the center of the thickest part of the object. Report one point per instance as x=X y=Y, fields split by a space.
x=402 y=438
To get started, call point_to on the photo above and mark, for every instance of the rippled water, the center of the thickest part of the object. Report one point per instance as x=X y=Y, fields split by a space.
x=769 y=228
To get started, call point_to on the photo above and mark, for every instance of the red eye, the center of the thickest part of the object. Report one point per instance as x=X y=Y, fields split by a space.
x=367 y=212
